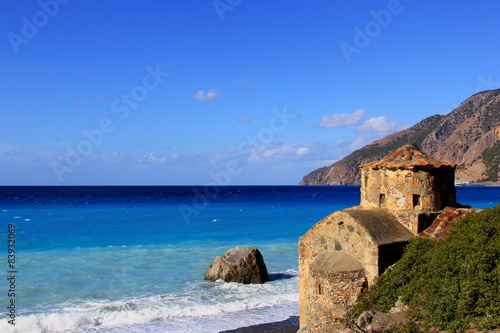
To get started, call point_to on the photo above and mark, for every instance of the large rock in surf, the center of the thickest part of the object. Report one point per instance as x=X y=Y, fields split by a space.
x=239 y=264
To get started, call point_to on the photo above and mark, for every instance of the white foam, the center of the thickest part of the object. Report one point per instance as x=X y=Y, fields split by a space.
x=212 y=306
x=216 y=323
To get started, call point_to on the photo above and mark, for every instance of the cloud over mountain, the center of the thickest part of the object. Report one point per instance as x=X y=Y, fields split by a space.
x=342 y=119
x=381 y=125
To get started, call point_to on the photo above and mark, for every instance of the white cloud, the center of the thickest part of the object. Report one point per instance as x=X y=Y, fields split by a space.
x=275 y=160
x=16 y=152
x=145 y=160
x=261 y=163
x=112 y=157
x=380 y=125
x=302 y=151
x=210 y=95
x=266 y=153
x=342 y=119
x=153 y=158
x=359 y=142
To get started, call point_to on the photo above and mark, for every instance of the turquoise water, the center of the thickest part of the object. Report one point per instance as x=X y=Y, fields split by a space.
x=132 y=259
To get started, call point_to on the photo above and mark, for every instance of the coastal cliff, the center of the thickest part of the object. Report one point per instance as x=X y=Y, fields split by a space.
x=469 y=136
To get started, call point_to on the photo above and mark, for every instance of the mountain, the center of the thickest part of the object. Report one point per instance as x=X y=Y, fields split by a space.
x=469 y=136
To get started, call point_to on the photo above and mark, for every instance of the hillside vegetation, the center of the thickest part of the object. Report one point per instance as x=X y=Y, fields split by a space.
x=469 y=136
x=452 y=284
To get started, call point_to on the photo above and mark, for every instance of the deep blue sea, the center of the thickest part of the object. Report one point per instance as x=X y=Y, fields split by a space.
x=132 y=259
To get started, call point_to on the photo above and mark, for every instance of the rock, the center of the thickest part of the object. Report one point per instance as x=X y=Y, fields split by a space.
x=366 y=318
x=346 y=330
x=399 y=306
x=238 y=264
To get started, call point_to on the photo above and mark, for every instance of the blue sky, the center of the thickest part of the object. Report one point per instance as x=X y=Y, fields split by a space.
x=225 y=92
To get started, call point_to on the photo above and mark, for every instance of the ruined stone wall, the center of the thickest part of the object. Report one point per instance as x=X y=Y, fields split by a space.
x=336 y=232
x=331 y=295
x=415 y=221
x=410 y=195
x=349 y=240
x=403 y=189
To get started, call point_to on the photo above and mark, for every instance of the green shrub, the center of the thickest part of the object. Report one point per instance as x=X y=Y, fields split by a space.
x=451 y=284
x=491 y=158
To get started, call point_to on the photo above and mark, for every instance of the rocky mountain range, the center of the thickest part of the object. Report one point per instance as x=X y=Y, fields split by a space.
x=469 y=136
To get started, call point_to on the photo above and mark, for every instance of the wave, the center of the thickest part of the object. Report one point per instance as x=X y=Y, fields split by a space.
x=218 y=305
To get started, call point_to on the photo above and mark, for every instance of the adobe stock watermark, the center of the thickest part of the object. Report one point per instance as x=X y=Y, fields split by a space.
x=486 y=83
x=122 y=106
x=31 y=26
x=223 y=6
x=363 y=36
x=222 y=178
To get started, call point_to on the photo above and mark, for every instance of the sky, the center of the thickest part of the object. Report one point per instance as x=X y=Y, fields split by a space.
x=226 y=92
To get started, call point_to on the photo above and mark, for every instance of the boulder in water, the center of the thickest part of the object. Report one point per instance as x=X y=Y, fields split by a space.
x=239 y=264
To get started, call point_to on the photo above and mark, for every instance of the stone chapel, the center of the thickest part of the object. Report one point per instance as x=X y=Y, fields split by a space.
x=402 y=195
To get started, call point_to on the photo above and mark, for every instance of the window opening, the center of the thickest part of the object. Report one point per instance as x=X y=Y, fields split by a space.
x=381 y=200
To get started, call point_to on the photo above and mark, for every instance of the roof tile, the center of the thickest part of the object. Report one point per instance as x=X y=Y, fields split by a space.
x=407 y=157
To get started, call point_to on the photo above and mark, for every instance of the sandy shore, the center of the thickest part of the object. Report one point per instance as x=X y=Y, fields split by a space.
x=290 y=325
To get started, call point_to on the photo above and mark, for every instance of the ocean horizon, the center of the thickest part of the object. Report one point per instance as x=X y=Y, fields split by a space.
x=132 y=258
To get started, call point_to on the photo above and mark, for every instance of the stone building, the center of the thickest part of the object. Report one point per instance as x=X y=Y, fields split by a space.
x=401 y=196
x=411 y=185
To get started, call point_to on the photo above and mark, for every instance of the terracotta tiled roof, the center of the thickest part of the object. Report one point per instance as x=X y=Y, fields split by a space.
x=407 y=157
x=445 y=222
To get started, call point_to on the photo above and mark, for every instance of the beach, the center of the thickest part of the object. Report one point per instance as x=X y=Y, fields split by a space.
x=289 y=325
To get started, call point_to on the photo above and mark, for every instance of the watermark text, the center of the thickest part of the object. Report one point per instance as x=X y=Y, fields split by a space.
x=11 y=273
x=31 y=26
x=363 y=36
x=122 y=106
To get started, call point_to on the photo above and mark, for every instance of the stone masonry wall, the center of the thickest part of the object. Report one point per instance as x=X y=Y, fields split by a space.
x=336 y=232
x=331 y=295
x=409 y=194
x=404 y=189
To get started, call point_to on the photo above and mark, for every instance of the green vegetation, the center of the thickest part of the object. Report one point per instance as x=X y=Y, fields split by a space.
x=451 y=284
x=491 y=158
x=420 y=136
x=491 y=117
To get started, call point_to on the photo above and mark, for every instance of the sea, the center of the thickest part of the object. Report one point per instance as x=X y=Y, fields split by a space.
x=119 y=259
